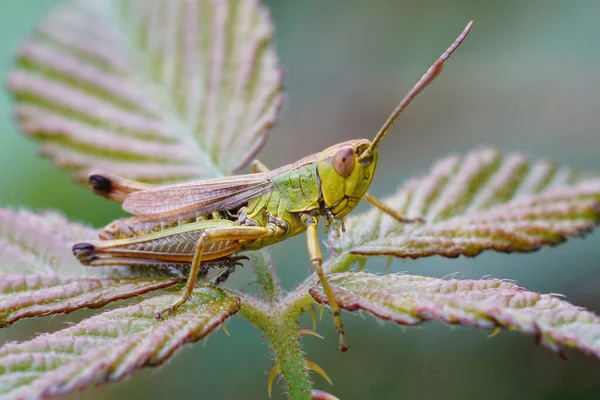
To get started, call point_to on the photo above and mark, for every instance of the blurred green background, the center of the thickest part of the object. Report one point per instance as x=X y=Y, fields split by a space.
x=526 y=79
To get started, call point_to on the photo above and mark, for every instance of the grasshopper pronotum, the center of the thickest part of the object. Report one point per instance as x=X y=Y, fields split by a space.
x=205 y=222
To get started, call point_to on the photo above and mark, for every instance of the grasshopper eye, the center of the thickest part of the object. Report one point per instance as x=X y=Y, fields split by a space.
x=343 y=161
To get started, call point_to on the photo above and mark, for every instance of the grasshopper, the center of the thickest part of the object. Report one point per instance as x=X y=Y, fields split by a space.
x=203 y=223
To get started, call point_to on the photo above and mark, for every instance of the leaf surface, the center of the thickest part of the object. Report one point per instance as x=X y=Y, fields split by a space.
x=110 y=346
x=41 y=243
x=482 y=201
x=39 y=274
x=23 y=296
x=486 y=303
x=152 y=90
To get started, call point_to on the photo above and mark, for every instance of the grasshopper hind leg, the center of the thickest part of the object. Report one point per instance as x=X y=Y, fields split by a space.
x=211 y=236
x=87 y=255
x=116 y=253
x=114 y=187
x=100 y=183
x=84 y=252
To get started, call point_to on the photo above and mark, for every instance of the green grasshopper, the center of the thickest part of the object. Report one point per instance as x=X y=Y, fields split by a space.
x=203 y=223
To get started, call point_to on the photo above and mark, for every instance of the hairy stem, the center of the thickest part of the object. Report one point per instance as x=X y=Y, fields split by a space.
x=265 y=276
x=284 y=339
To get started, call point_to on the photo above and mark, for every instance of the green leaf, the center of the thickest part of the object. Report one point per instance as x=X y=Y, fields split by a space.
x=151 y=90
x=483 y=201
x=110 y=346
x=486 y=303
x=40 y=276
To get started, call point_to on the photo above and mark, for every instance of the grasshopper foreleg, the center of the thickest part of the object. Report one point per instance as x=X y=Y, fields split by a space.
x=391 y=212
x=316 y=258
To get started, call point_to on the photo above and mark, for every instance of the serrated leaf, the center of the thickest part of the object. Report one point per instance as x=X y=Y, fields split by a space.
x=152 y=90
x=41 y=244
x=483 y=201
x=23 y=296
x=486 y=303
x=110 y=346
x=39 y=274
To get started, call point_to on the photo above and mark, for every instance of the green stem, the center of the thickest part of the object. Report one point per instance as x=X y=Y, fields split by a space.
x=277 y=319
x=265 y=276
x=282 y=332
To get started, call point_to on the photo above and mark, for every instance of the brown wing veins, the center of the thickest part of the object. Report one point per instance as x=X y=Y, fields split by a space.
x=203 y=196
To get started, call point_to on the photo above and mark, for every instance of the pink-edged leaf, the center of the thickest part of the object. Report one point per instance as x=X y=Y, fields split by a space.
x=482 y=201
x=486 y=303
x=110 y=346
x=23 y=296
x=39 y=274
x=41 y=243
x=151 y=90
x=322 y=395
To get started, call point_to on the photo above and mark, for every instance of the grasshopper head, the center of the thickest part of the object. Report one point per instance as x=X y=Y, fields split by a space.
x=344 y=178
x=346 y=169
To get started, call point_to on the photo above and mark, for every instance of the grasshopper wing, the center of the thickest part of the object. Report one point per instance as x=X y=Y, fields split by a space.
x=203 y=196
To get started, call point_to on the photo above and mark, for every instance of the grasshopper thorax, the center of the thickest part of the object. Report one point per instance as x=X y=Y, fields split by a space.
x=343 y=178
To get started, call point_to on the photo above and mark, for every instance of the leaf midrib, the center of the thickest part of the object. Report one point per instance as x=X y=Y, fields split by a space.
x=171 y=113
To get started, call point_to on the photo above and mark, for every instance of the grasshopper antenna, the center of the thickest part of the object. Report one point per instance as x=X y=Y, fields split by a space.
x=425 y=80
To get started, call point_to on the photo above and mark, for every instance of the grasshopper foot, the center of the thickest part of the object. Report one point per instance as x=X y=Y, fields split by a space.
x=229 y=264
x=223 y=275
x=343 y=347
x=171 y=309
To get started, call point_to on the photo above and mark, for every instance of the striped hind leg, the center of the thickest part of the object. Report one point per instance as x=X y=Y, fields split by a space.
x=114 y=187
